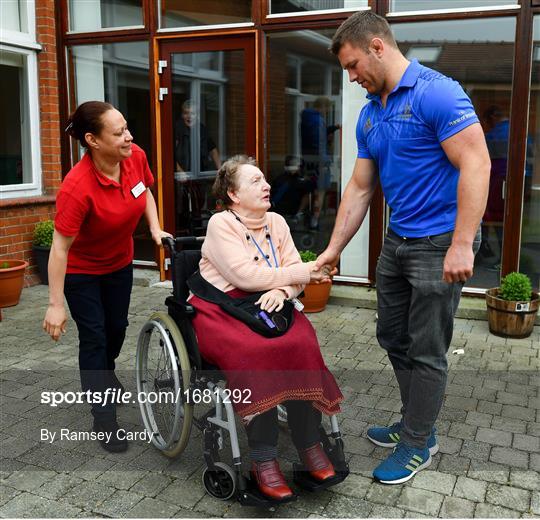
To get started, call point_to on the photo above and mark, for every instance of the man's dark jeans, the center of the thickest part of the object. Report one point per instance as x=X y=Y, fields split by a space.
x=99 y=305
x=416 y=309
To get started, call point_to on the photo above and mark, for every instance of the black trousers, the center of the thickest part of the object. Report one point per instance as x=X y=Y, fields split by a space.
x=303 y=419
x=99 y=305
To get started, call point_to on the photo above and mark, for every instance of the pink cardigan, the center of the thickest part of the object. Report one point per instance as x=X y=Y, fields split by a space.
x=229 y=257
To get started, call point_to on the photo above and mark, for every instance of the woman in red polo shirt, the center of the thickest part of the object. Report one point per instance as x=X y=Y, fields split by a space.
x=98 y=207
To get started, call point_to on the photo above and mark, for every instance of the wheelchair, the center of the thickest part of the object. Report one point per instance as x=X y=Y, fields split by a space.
x=169 y=368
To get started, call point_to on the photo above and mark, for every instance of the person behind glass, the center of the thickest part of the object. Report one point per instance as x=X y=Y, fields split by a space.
x=183 y=133
x=98 y=207
x=419 y=135
x=248 y=249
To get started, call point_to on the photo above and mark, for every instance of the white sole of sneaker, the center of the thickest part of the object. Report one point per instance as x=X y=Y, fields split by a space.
x=408 y=477
x=434 y=450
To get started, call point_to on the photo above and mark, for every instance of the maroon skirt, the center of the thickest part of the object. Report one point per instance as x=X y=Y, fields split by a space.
x=264 y=372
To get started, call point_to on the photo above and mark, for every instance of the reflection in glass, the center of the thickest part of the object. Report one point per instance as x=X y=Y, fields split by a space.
x=208 y=98
x=425 y=5
x=529 y=260
x=484 y=68
x=190 y=13
x=118 y=73
x=304 y=119
x=91 y=15
x=294 y=6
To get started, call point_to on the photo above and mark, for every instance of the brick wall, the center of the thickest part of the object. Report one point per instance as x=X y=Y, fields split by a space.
x=19 y=216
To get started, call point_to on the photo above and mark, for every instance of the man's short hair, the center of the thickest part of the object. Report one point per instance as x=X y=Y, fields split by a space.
x=359 y=29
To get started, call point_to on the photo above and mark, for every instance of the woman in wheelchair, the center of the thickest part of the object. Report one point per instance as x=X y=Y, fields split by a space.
x=248 y=249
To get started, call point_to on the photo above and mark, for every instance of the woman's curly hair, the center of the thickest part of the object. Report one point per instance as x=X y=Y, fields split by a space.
x=226 y=177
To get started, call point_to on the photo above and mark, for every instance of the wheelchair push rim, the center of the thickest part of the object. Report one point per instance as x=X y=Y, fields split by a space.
x=163 y=375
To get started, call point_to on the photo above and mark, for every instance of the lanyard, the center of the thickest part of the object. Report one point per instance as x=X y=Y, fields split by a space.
x=268 y=237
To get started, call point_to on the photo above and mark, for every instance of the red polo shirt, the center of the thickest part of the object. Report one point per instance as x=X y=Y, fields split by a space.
x=102 y=214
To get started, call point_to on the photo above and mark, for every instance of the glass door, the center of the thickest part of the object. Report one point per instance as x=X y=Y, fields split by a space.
x=207 y=116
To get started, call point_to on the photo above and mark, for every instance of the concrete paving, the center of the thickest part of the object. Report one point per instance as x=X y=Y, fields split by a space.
x=489 y=430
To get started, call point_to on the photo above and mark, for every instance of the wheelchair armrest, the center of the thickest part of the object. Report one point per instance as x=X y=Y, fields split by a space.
x=180 y=309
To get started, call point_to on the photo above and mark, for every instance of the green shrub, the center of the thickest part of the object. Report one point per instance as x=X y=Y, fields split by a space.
x=515 y=287
x=43 y=233
x=308 y=256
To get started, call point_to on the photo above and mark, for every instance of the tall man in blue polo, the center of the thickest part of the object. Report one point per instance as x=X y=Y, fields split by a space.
x=420 y=137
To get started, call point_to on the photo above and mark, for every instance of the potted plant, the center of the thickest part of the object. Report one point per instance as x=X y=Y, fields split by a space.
x=43 y=235
x=512 y=307
x=315 y=294
x=11 y=281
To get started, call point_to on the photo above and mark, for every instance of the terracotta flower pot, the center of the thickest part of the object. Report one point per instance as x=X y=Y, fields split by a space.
x=508 y=318
x=316 y=296
x=11 y=281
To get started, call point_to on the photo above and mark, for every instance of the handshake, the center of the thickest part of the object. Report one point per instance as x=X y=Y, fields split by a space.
x=321 y=272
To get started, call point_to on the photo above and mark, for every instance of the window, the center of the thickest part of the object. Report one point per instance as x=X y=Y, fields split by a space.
x=304 y=133
x=93 y=15
x=400 y=6
x=529 y=259
x=175 y=14
x=118 y=73
x=314 y=6
x=20 y=164
x=479 y=54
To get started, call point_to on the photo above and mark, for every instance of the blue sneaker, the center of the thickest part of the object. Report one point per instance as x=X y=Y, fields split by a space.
x=388 y=437
x=402 y=464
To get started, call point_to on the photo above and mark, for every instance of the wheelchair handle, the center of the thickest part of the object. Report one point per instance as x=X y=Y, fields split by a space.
x=172 y=242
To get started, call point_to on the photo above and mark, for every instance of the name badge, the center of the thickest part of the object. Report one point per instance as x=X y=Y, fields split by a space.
x=138 y=189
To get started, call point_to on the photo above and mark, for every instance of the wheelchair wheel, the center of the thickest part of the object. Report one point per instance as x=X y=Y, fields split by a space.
x=163 y=374
x=220 y=482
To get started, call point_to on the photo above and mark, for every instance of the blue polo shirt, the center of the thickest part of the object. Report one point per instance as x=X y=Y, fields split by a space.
x=403 y=138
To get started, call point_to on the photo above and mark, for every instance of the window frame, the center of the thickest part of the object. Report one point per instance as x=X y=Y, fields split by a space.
x=31 y=100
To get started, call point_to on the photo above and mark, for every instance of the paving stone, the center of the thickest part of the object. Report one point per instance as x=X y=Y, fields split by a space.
x=535 y=503
x=27 y=505
x=534 y=463
x=510 y=457
x=29 y=479
x=471 y=489
x=380 y=511
x=489 y=471
x=151 y=485
x=454 y=507
x=516 y=412
x=462 y=431
x=479 y=419
x=420 y=501
x=512 y=399
x=492 y=511
x=381 y=494
x=489 y=407
x=152 y=508
x=358 y=445
x=353 y=486
x=184 y=493
x=434 y=481
x=58 y=486
x=454 y=464
x=347 y=507
x=88 y=496
x=475 y=450
x=117 y=504
x=525 y=479
x=7 y=493
x=496 y=437
x=122 y=476
x=462 y=403
x=509 y=424
x=449 y=445
x=526 y=442
x=508 y=496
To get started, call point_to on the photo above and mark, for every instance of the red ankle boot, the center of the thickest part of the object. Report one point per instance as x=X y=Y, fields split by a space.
x=270 y=480
x=317 y=462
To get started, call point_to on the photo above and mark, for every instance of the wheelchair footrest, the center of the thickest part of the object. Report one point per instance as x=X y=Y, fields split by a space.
x=303 y=479
x=251 y=496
